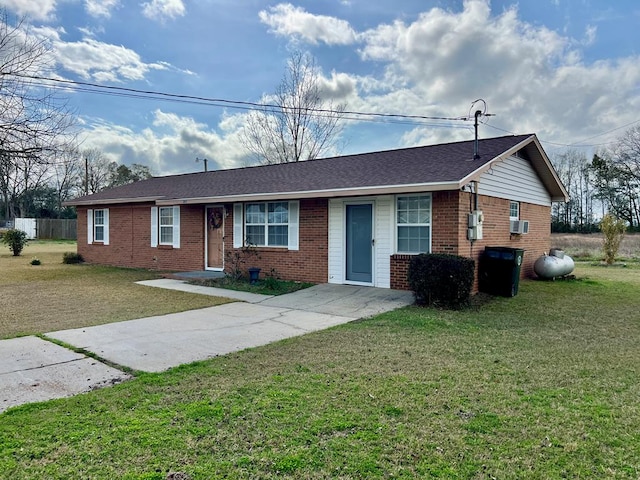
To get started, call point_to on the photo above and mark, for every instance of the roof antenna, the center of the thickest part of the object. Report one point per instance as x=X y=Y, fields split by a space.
x=477 y=115
x=476 y=154
x=204 y=160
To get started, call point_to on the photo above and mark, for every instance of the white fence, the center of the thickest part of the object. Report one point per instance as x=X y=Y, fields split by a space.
x=27 y=225
x=47 y=228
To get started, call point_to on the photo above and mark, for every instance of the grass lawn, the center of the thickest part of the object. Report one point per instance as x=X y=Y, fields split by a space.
x=543 y=385
x=53 y=296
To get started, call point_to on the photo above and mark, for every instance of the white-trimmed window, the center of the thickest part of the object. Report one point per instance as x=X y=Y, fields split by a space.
x=98 y=226
x=413 y=224
x=514 y=210
x=165 y=226
x=266 y=224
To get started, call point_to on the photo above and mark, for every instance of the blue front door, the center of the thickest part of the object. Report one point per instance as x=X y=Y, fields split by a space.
x=359 y=243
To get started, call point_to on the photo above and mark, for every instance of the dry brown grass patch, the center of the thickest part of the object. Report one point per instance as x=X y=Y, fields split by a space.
x=53 y=296
x=590 y=245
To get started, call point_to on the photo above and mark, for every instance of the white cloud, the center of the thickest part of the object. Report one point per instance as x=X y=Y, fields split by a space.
x=170 y=145
x=533 y=78
x=163 y=9
x=33 y=9
x=590 y=35
x=101 y=8
x=102 y=62
x=288 y=20
x=339 y=87
x=95 y=60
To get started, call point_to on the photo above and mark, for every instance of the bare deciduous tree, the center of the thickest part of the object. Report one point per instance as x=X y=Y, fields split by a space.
x=35 y=122
x=97 y=171
x=300 y=123
x=578 y=213
x=68 y=169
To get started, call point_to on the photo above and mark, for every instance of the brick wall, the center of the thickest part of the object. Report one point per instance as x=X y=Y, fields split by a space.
x=399 y=271
x=310 y=262
x=130 y=240
x=449 y=232
x=496 y=231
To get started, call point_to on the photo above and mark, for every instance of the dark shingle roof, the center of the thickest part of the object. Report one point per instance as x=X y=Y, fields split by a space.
x=443 y=164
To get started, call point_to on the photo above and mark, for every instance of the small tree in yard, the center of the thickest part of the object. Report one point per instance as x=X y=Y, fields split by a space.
x=15 y=240
x=613 y=230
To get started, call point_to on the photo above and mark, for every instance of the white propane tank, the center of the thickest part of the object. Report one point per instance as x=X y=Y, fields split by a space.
x=556 y=264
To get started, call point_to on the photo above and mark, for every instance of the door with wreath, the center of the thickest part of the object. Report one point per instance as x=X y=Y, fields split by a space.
x=215 y=237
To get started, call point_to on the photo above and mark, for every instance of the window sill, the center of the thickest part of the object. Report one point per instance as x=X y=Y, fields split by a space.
x=165 y=247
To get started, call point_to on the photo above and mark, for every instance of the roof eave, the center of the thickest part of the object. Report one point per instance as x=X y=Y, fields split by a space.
x=110 y=201
x=329 y=193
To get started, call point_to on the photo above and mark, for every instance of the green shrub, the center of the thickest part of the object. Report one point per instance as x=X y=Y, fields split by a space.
x=270 y=283
x=441 y=280
x=72 y=257
x=36 y=261
x=15 y=240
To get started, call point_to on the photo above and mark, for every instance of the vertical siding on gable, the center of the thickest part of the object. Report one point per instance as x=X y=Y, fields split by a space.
x=514 y=179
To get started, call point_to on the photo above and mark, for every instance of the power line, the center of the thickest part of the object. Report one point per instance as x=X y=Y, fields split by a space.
x=95 y=88
x=608 y=131
x=401 y=119
x=577 y=144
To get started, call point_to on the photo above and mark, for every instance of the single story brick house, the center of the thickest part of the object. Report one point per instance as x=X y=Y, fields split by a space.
x=354 y=219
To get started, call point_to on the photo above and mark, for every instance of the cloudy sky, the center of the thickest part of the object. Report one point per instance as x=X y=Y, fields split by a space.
x=567 y=70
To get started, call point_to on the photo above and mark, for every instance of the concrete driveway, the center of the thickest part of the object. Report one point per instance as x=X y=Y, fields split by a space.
x=33 y=369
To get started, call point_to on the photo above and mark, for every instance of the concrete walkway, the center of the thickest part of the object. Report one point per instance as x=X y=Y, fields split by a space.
x=32 y=369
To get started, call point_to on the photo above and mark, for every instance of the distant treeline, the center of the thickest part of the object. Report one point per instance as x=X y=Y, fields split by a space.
x=608 y=183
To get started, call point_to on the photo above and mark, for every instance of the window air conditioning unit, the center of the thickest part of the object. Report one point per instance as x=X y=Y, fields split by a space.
x=519 y=227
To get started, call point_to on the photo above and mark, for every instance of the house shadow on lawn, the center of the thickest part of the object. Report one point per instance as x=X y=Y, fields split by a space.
x=197 y=275
x=266 y=286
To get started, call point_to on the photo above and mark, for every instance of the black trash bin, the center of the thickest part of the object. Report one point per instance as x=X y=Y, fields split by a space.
x=499 y=271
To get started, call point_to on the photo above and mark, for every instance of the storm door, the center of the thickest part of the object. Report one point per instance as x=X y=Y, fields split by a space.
x=359 y=243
